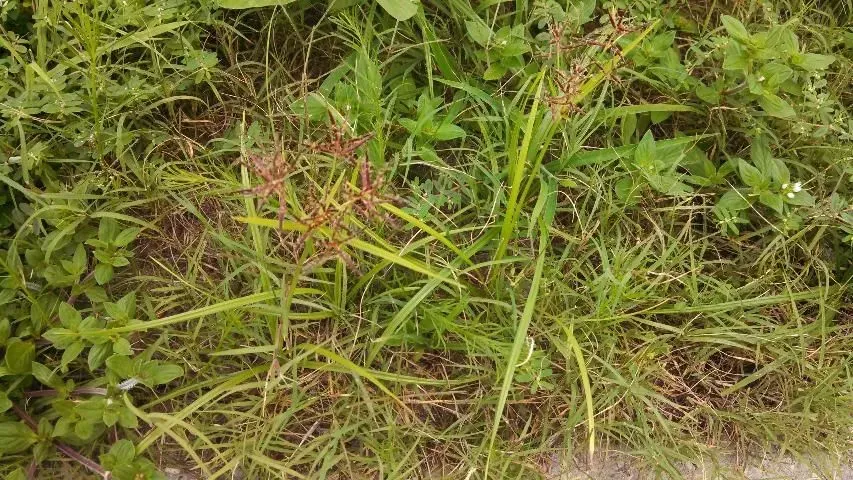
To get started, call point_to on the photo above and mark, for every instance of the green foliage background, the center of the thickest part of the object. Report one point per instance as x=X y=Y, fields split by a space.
x=562 y=226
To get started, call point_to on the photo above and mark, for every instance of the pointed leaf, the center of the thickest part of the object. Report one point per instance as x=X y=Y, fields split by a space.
x=735 y=28
x=751 y=175
x=772 y=200
x=103 y=273
x=401 y=10
x=812 y=61
x=15 y=437
x=448 y=131
x=159 y=374
x=775 y=106
x=69 y=317
x=644 y=155
x=121 y=366
x=803 y=198
x=126 y=236
x=19 y=356
x=478 y=31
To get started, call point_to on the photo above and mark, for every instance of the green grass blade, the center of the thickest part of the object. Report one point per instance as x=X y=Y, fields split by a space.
x=587 y=388
x=517 y=345
x=518 y=170
x=352 y=368
x=356 y=243
x=426 y=228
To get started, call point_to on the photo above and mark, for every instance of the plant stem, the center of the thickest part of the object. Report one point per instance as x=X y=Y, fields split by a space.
x=90 y=464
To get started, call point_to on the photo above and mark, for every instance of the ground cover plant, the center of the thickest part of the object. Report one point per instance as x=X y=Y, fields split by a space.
x=421 y=239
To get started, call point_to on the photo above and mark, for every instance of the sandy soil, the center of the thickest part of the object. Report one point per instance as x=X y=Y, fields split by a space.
x=619 y=466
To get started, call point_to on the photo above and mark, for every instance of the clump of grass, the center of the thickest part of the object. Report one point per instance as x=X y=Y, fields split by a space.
x=415 y=240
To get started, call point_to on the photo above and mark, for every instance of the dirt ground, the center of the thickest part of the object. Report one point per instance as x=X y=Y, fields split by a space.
x=619 y=466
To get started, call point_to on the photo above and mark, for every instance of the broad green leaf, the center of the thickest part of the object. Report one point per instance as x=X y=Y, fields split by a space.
x=763 y=159
x=19 y=356
x=644 y=155
x=401 y=10
x=667 y=184
x=495 y=72
x=5 y=403
x=119 y=261
x=478 y=31
x=127 y=418
x=69 y=316
x=708 y=94
x=84 y=429
x=122 y=366
x=627 y=190
x=5 y=330
x=123 y=451
x=79 y=260
x=782 y=172
x=812 y=61
x=126 y=236
x=98 y=354
x=63 y=426
x=772 y=200
x=244 y=4
x=410 y=125
x=603 y=155
x=116 y=311
x=736 y=58
x=122 y=347
x=781 y=39
x=751 y=175
x=697 y=163
x=775 y=106
x=802 y=198
x=448 y=131
x=107 y=229
x=46 y=376
x=658 y=117
x=61 y=337
x=515 y=47
x=662 y=41
x=17 y=474
x=15 y=437
x=70 y=354
x=627 y=127
x=110 y=417
x=775 y=74
x=161 y=373
x=128 y=304
x=103 y=273
x=735 y=28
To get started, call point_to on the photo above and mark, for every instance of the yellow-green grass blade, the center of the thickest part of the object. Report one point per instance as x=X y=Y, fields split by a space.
x=356 y=243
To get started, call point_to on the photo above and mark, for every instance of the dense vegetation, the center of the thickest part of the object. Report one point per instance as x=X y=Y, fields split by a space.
x=435 y=239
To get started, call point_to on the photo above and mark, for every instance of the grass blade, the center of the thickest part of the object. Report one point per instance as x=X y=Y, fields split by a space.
x=517 y=345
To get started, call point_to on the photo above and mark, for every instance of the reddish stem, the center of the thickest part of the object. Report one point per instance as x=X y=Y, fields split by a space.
x=32 y=469
x=90 y=464
x=77 y=391
x=73 y=298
